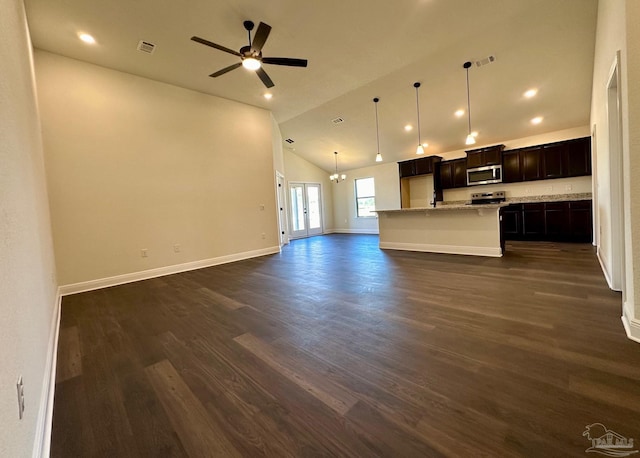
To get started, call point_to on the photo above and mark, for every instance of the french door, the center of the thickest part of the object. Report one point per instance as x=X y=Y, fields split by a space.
x=306 y=209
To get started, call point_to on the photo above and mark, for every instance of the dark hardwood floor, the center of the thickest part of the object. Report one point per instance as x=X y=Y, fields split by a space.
x=336 y=348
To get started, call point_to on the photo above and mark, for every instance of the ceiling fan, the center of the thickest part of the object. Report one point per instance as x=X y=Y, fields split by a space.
x=251 y=55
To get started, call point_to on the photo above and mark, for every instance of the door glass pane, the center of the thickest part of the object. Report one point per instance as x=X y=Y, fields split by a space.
x=297 y=208
x=314 y=206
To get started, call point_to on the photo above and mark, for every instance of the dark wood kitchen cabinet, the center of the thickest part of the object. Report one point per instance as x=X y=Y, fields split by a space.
x=481 y=157
x=416 y=167
x=512 y=222
x=556 y=219
x=407 y=169
x=531 y=163
x=570 y=158
x=567 y=221
x=524 y=164
x=581 y=221
x=533 y=221
x=511 y=172
x=578 y=157
x=453 y=174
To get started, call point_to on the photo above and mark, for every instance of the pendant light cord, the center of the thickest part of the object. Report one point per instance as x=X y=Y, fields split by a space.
x=468 y=102
x=336 y=156
x=377 y=130
x=417 y=85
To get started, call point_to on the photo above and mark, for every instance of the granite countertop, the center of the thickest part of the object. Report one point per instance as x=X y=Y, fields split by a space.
x=466 y=204
x=530 y=199
x=447 y=207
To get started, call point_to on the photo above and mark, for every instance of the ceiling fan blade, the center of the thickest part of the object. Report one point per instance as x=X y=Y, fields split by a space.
x=213 y=45
x=261 y=36
x=264 y=77
x=225 y=70
x=285 y=61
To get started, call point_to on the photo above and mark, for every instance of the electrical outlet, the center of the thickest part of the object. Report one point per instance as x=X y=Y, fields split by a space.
x=264 y=236
x=261 y=206
x=143 y=253
x=568 y=187
x=20 y=389
x=176 y=248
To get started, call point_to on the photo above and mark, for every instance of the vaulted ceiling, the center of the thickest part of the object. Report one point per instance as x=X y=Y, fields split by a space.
x=356 y=51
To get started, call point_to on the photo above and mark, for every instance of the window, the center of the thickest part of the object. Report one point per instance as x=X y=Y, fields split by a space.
x=365 y=197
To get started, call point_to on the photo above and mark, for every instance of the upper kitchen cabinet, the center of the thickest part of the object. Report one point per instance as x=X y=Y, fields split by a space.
x=570 y=158
x=453 y=174
x=490 y=155
x=511 y=172
x=415 y=167
x=578 y=153
x=531 y=163
x=523 y=164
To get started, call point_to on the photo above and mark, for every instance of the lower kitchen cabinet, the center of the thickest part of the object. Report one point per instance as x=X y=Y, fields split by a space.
x=512 y=222
x=568 y=221
x=533 y=217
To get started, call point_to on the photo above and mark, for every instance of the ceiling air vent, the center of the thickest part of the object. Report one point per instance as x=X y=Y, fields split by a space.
x=289 y=140
x=337 y=120
x=486 y=61
x=147 y=47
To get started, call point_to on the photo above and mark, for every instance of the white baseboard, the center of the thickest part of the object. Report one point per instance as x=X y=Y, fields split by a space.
x=353 y=231
x=631 y=325
x=91 y=285
x=494 y=252
x=42 y=444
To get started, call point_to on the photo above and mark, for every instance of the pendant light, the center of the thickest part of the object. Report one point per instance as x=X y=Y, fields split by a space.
x=470 y=138
x=420 y=148
x=378 y=156
x=336 y=177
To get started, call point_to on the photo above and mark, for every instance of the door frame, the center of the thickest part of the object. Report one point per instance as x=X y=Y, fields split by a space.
x=616 y=176
x=283 y=211
x=304 y=184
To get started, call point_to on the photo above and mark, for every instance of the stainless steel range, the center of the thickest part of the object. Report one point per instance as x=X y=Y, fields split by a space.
x=494 y=197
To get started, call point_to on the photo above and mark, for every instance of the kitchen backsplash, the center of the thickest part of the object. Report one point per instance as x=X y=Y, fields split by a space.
x=577 y=185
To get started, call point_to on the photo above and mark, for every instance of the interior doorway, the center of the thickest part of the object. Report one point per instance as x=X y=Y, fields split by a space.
x=305 y=203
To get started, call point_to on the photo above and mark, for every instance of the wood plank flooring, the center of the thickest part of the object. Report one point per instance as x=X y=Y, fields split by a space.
x=336 y=348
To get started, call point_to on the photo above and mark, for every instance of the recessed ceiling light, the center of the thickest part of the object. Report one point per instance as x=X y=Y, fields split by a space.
x=408 y=127
x=530 y=93
x=537 y=120
x=268 y=95
x=459 y=113
x=87 y=38
x=474 y=134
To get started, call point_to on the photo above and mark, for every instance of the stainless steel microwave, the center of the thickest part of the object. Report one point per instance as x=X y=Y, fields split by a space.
x=484 y=175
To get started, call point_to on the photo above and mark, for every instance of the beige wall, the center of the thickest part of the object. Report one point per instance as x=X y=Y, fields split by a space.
x=618 y=31
x=610 y=38
x=136 y=164
x=632 y=143
x=299 y=170
x=27 y=273
x=387 y=186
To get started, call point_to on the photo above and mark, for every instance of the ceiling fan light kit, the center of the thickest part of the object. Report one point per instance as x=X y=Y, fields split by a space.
x=251 y=55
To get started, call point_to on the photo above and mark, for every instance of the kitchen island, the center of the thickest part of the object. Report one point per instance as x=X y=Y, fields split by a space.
x=454 y=229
